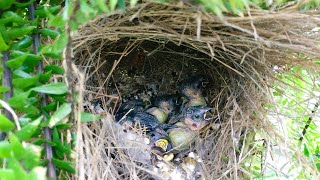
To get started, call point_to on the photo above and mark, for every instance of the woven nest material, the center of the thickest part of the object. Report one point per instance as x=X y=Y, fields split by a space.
x=164 y=43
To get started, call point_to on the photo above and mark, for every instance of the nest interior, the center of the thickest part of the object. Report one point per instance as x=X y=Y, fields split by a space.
x=154 y=47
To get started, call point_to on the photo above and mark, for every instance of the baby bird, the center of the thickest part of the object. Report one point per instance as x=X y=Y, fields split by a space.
x=197 y=117
x=132 y=113
x=192 y=89
x=164 y=106
x=188 y=125
x=160 y=144
x=128 y=110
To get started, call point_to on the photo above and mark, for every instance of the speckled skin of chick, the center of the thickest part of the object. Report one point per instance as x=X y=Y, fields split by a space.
x=189 y=124
x=192 y=90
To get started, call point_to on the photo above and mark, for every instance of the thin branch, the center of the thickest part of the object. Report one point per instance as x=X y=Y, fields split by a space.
x=313 y=112
x=47 y=131
x=6 y=82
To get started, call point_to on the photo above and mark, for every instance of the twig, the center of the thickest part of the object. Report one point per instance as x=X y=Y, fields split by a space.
x=70 y=70
x=47 y=131
x=6 y=82
x=313 y=112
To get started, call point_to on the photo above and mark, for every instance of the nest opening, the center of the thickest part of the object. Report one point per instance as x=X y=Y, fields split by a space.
x=127 y=69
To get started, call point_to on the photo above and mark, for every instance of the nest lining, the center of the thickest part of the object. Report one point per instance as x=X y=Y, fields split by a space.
x=158 y=47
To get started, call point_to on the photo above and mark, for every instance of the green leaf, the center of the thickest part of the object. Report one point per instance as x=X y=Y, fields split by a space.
x=64 y=165
x=11 y=17
x=17 y=101
x=50 y=107
x=54 y=55
x=113 y=4
x=58 y=98
x=86 y=10
x=49 y=32
x=318 y=166
x=19 y=172
x=32 y=156
x=16 y=62
x=56 y=21
x=3 y=45
x=54 y=88
x=31 y=61
x=45 y=11
x=121 y=4
x=5 y=149
x=24 y=121
x=5 y=124
x=7 y=174
x=305 y=150
x=63 y=111
x=57 y=46
x=23 y=43
x=88 y=117
x=54 y=69
x=6 y=4
x=21 y=73
x=23 y=83
x=17 y=147
x=64 y=126
x=102 y=5
x=58 y=146
x=38 y=173
x=4 y=89
x=24 y=4
x=29 y=130
x=14 y=33
x=45 y=77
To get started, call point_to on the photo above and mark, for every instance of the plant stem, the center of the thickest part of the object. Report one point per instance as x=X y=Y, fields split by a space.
x=47 y=131
x=313 y=112
x=6 y=82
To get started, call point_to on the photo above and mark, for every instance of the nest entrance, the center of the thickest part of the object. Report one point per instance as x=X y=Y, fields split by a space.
x=158 y=67
x=126 y=69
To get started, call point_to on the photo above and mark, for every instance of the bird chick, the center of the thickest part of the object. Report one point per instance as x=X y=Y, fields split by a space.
x=188 y=124
x=128 y=110
x=192 y=90
x=197 y=117
x=164 y=106
x=181 y=137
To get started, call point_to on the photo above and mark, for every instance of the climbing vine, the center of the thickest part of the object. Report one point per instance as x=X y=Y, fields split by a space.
x=38 y=105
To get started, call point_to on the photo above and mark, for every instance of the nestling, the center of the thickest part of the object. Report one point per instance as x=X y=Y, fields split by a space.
x=192 y=90
x=164 y=106
x=188 y=125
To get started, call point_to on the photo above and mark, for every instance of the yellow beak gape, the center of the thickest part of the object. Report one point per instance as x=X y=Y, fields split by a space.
x=162 y=143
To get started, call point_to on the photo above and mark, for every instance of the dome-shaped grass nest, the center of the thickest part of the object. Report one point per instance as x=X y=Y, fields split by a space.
x=153 y=47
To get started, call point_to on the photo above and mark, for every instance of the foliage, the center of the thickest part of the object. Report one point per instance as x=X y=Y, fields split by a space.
x=22 y=153
x=296 y=92
x=298 y=96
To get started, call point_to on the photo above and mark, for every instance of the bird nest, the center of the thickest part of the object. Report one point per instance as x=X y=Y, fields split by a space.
x=153 y=47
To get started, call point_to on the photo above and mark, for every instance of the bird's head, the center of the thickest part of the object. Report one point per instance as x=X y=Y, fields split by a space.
x=197 y=117
x=192 y=87
x=167 y=103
